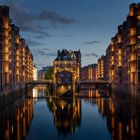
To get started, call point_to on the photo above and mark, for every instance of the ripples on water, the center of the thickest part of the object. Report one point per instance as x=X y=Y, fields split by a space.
x=112 y=118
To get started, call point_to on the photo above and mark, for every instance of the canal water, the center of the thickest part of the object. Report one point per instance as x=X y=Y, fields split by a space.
x=40 y=118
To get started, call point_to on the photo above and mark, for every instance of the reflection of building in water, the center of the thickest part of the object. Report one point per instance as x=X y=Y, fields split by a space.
x=67 y=114
x=90 y=92
x=43 y=90
x=15 y=121
x=38 y=91
x=123 y=118
x=35 y=92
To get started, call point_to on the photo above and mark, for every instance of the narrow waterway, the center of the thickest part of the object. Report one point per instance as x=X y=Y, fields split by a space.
x=39 y=118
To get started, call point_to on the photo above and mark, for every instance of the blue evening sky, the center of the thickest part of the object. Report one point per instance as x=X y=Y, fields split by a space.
x=49 y=25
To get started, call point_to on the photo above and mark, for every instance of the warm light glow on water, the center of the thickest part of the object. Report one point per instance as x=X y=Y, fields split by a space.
x=70 y=118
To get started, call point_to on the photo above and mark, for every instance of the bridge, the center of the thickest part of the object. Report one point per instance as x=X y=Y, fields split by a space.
x=39 y=82
x=94 y=84
x=98 y=82
x=67 y=89
x=30 y=84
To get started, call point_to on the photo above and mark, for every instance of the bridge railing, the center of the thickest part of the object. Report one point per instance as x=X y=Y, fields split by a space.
x=94 y=81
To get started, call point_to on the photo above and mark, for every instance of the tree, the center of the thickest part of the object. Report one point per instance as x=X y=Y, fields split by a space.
x=49 y=74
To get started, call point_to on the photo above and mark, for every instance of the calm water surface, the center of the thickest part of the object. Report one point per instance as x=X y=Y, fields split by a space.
x=52 y=118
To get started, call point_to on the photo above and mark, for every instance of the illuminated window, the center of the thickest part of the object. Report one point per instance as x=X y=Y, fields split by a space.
x=119 y=51
x=112 y=48
x=132 y=77
x=131 y=11
x=132 y=31
x=6 y=24
x=132 y=68
x=119 y=57
x=119 y=63
x=119 y=39
x=132 y=57
x=132 y=40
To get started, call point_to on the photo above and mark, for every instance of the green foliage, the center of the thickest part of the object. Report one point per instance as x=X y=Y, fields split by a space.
x=49 y=74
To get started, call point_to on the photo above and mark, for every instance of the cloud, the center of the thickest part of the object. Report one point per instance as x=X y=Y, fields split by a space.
x=40 y=52
x=92 y=54
x=23 y=18
x=43 y=53
x=91 y=42
x=70 y=36
x=31 y=22
x=55 y=18
x=39 y=36
x=45 y=49
x=39 y=65
x=36 y=25
x=34 y=43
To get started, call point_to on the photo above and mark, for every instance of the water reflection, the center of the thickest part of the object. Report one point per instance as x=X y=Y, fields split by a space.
x=67 y=114
x=123 y=118
x=122 y=115
x=94 y=93
x=116 y=118
x=37 y=92
x=16 y=119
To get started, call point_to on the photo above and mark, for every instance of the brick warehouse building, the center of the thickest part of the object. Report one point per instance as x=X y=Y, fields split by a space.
x=16 y=59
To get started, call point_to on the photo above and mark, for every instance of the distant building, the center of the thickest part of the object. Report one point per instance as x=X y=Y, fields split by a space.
x=110 y=61
x=42 y=72
x=35 y=75
x=88 y=72
x=101 y=68
x=67 y=66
